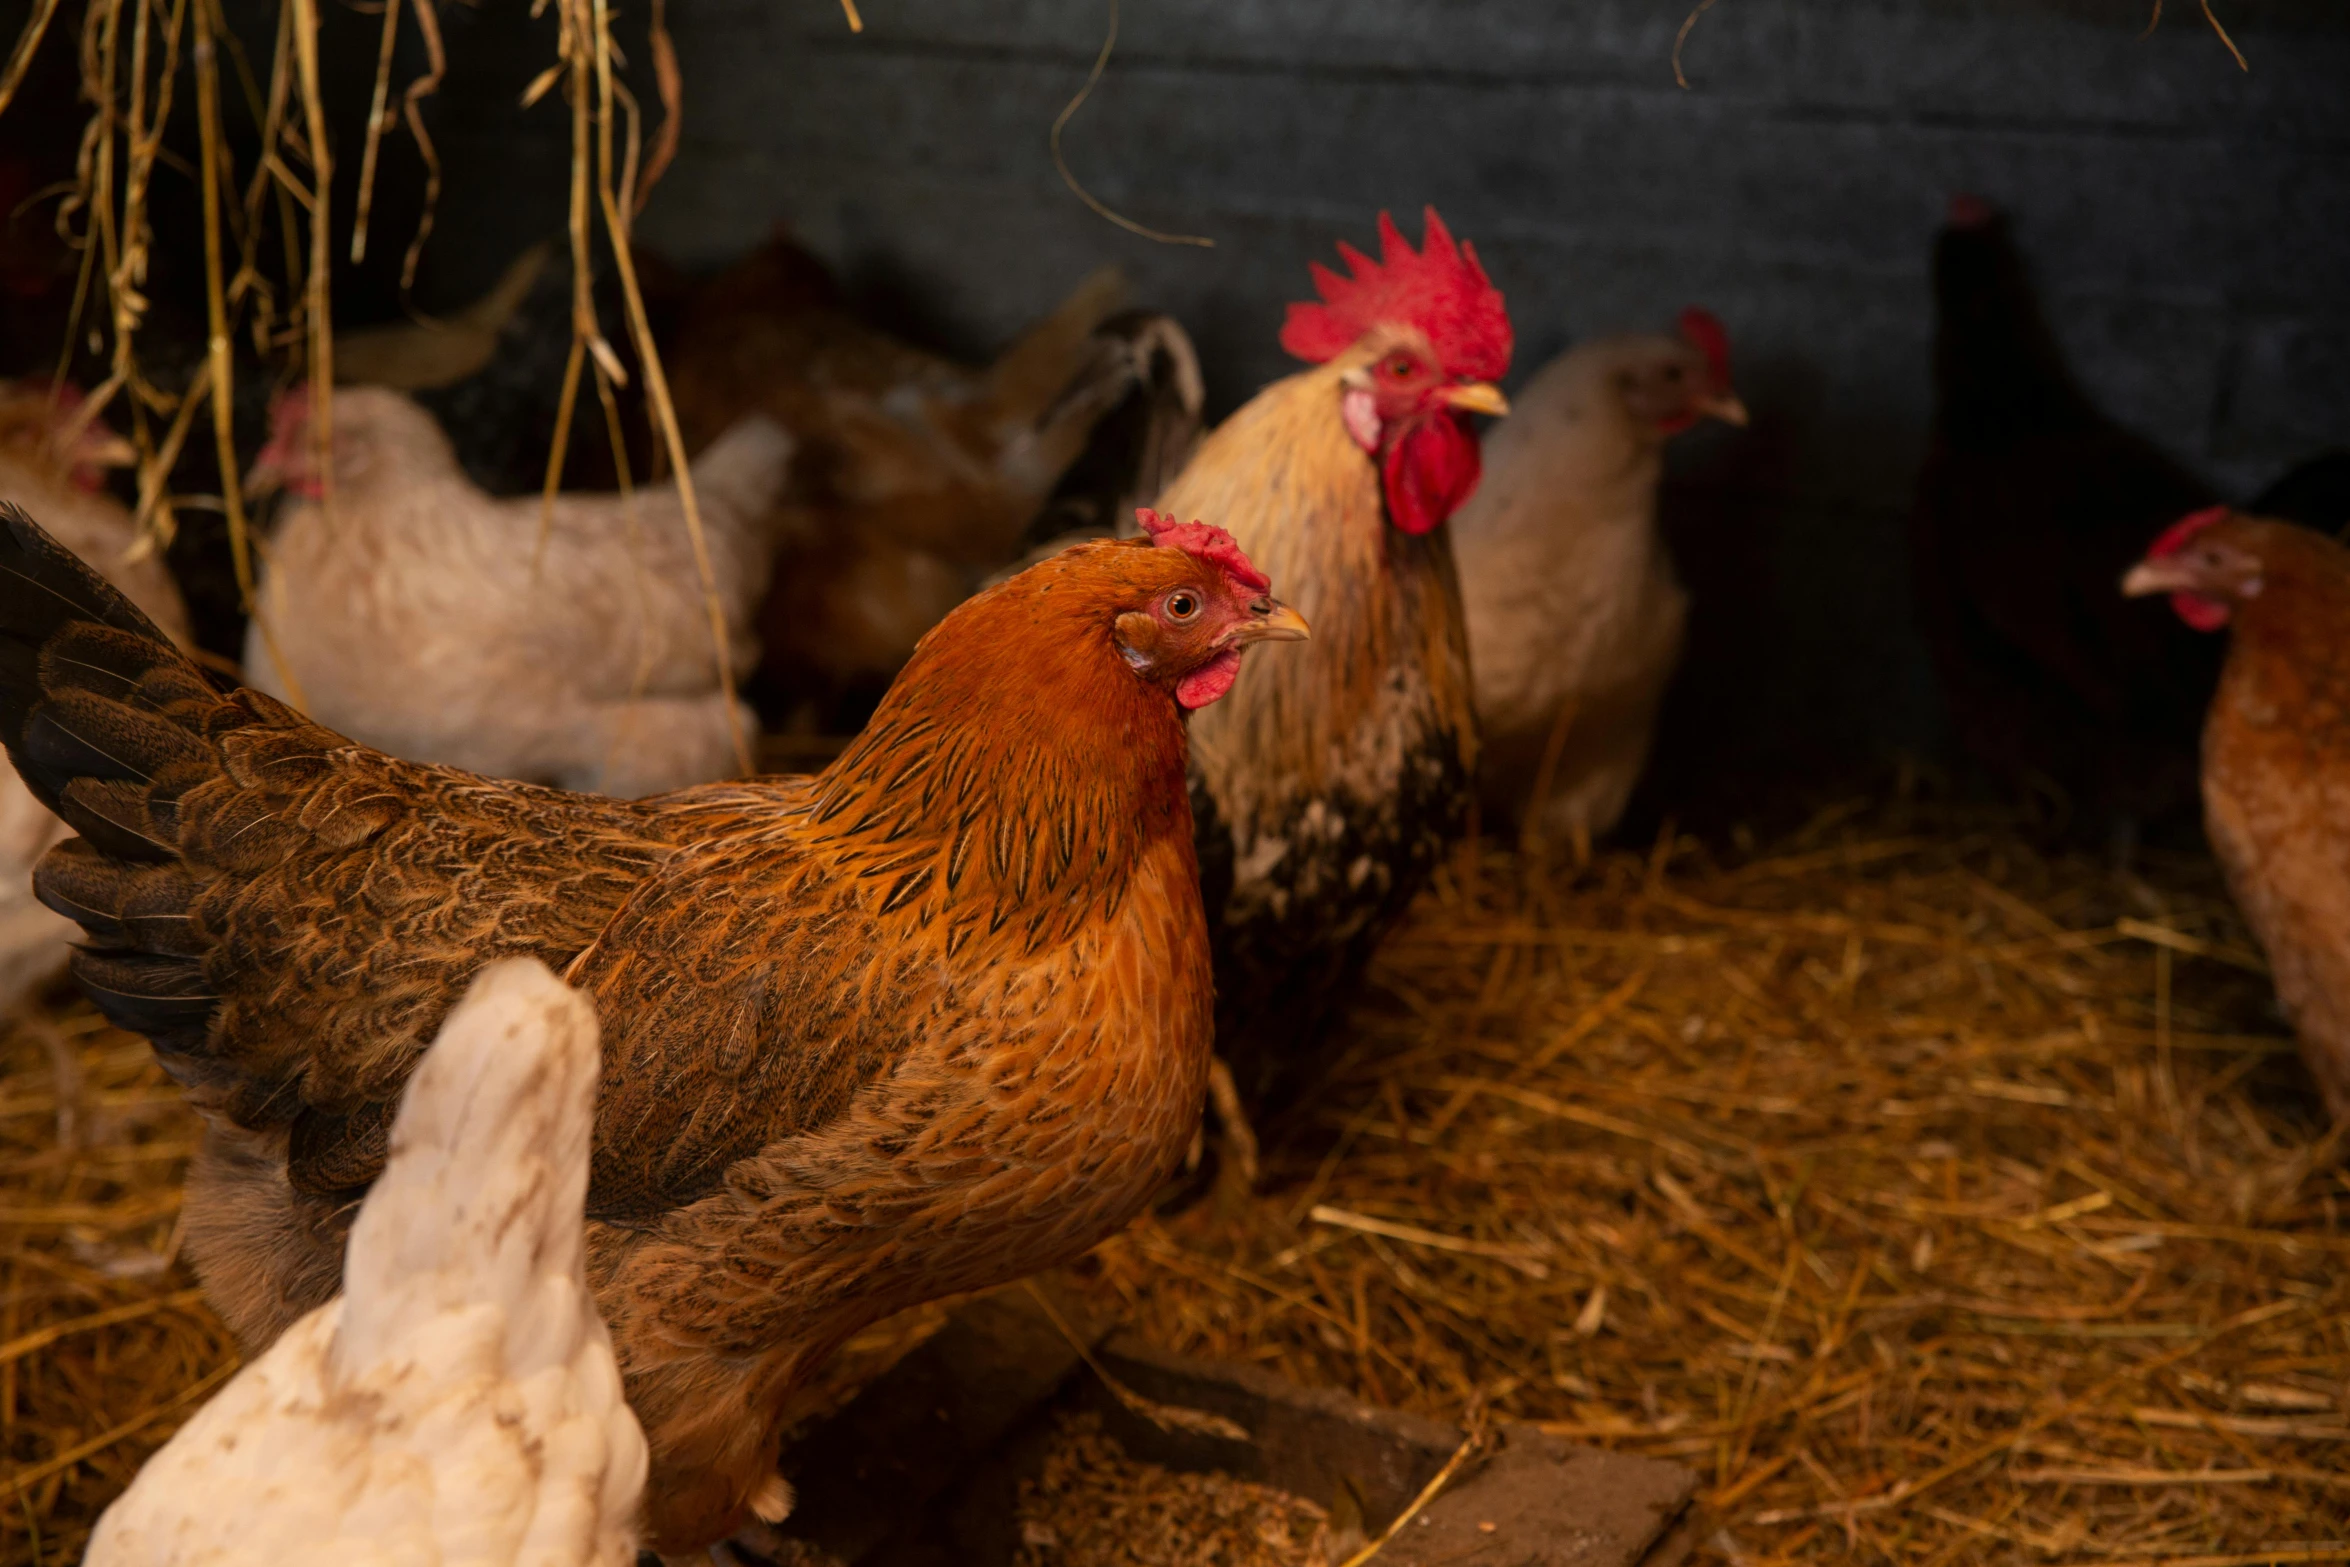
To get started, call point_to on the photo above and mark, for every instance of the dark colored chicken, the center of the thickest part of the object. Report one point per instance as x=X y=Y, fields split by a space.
x=2031 y=505
x=915 y=475
x=2315 y=494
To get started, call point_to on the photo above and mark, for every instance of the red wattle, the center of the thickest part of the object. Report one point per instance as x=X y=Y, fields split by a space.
x=1210 y=681
x=2199 y=612
x=1430 y=470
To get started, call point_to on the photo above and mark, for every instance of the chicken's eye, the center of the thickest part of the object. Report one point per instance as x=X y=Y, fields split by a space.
x=1398 y=367
x=1182 y=606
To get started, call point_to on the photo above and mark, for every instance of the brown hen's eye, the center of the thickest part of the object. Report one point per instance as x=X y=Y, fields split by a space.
x=1400 y=366
x=1182 y=606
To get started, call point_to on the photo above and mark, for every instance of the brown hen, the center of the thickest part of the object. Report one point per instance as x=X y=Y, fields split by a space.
x=924 y=1023
x=2276 y=752
x=915 y=475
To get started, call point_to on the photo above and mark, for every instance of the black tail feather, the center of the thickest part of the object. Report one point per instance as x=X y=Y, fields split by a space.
x=103 y=716
x=65 y=628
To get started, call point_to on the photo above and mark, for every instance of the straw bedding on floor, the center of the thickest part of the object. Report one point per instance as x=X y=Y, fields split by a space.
x=1937 y=1198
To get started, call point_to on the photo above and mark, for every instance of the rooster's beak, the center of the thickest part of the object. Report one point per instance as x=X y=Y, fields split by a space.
x=1270 y=620
x=1478 y=397
x=1726 y=407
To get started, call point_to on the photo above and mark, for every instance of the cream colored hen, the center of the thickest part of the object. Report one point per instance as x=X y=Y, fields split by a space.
x=459 y=1401
x=424 y=617
x=53 y=472
x=1575 y=614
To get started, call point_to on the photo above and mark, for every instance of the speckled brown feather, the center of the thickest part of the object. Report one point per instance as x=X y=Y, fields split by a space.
x=2276 y=781
x=925 y=1023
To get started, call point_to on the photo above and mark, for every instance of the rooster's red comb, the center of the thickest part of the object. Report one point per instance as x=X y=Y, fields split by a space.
x=1441 y=288
x=1704 y=329
x=2179 y=534
x=1204 y=541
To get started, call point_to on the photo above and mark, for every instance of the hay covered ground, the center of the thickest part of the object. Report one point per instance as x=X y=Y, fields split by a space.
x=1938 y=1200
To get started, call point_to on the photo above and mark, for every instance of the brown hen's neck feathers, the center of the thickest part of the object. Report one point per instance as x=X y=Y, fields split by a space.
x=2304 y=599
x=1305 y=503
x=1017 y=766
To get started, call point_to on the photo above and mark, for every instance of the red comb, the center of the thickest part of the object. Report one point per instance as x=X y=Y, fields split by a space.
x=1704 y=329
x=1441 y=288
x=2176 y=537
x=1203 y=541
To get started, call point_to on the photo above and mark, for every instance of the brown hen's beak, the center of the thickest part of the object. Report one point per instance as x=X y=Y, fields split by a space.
x=1270 y=620
x=1478 y=397
x=1726 y=407
x=2165 y=575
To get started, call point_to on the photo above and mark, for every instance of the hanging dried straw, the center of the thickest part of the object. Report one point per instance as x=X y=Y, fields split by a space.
x=129 y=82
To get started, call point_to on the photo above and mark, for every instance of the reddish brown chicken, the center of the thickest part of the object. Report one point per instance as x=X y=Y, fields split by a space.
x=924 y=1023
x=2276 y=751
x=1325 y=793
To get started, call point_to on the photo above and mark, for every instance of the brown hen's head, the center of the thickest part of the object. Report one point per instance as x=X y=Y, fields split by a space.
x=2206 y=563
x=1435 y=338
x=1091 y=634
x=1191 y=634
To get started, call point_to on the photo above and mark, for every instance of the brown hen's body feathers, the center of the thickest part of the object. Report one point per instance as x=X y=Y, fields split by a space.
x=1325 y=788
x=924 y=1023
x=2276 y=782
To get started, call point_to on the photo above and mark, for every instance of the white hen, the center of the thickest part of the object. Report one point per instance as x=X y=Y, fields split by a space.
x=459 y=1401
x=424 y=618
x=1575 y=614
x=59 y=484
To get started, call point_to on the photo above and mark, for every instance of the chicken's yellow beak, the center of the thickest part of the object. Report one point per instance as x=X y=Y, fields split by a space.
x=1726 y=407
x=1277 y=623
x=1478 y=397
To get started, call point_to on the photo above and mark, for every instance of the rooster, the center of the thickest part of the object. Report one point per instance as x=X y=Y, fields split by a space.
x=915 y=475
x=1575 y=612
x=54 y=462
x=1325 y=790
x=459 y=1401
x=2276 y=751
x=428 y=618
x=2031 y=505
x=928 y=1021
